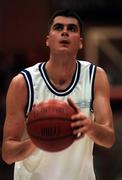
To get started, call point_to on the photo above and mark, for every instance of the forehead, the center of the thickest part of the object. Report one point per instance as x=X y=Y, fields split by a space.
x=65 y=20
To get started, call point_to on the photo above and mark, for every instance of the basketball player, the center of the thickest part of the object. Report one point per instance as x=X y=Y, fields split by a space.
x=62 y=77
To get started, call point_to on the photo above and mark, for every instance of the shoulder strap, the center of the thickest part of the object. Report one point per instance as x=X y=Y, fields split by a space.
x=28 y=80
x=92 y=78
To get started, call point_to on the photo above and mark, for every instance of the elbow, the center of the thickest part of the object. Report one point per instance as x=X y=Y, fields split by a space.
x=108 y=141
x=111 y=141
x=6 y=159
x=8 y=162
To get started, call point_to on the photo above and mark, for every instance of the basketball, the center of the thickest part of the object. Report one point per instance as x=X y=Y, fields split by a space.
x=49 y=127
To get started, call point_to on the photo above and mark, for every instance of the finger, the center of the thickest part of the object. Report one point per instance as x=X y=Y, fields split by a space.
x=78 y=117
x=79 y=135
x=81 y=130
x=73 y=105
x=77 y=123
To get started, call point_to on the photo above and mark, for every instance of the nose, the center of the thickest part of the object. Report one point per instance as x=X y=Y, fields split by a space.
x=64 y=32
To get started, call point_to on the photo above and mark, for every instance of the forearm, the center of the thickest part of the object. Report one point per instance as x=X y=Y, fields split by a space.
x=13 y=151
x=101 y=135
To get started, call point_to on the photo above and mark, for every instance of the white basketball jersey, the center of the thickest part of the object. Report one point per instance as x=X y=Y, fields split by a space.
x=76 y=161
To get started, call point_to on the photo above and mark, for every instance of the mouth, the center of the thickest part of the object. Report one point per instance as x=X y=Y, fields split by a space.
x=64 y=42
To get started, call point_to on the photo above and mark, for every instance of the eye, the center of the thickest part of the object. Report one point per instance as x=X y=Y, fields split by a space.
x=58 y=27
x=72 y=28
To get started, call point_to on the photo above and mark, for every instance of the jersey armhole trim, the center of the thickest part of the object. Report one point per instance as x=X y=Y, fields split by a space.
x=30 y=97
x=92 y=79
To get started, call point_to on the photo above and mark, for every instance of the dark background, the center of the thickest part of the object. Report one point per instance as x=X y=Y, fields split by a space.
x=23 y=27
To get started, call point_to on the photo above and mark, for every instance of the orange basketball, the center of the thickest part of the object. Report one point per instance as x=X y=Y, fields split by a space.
x=49 y=126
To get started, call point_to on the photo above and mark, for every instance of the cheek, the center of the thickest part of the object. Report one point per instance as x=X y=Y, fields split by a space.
x=51 y=40
x=78 y=42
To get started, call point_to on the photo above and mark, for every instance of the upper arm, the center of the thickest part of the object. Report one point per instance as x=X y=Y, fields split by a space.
x=15 y=108
x=101 y=103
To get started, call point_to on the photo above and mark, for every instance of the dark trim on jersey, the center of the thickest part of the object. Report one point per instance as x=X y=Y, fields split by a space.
x=92 y=78
x=52 y=88
x=29 y=83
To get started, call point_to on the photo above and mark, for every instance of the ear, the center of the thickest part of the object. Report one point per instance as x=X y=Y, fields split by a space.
x=81 y=43
x=47 y=42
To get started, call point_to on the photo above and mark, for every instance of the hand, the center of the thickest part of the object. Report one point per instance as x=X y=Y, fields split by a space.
x=81 y=124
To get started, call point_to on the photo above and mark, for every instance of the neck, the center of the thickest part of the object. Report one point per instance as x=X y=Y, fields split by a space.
x=60 y=71
x=61 y=64
x=62 y=60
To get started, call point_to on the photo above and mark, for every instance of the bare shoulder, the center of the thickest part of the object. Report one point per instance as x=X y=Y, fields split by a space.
x=17 y=91
x=18 y=80
x=100 y=72
x=18 y=84
x=101 y=81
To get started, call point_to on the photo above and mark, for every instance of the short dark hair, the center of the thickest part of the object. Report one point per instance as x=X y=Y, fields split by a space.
x=66 y=13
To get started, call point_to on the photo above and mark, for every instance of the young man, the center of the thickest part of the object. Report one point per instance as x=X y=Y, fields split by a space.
x=83 y=85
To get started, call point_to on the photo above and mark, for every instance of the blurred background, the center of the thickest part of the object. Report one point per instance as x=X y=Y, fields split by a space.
x=23 y=28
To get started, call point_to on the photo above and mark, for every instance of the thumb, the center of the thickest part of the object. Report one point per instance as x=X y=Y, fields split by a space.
x=73 y=105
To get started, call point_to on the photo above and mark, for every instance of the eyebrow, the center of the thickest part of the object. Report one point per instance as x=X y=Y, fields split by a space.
x=70 y=24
